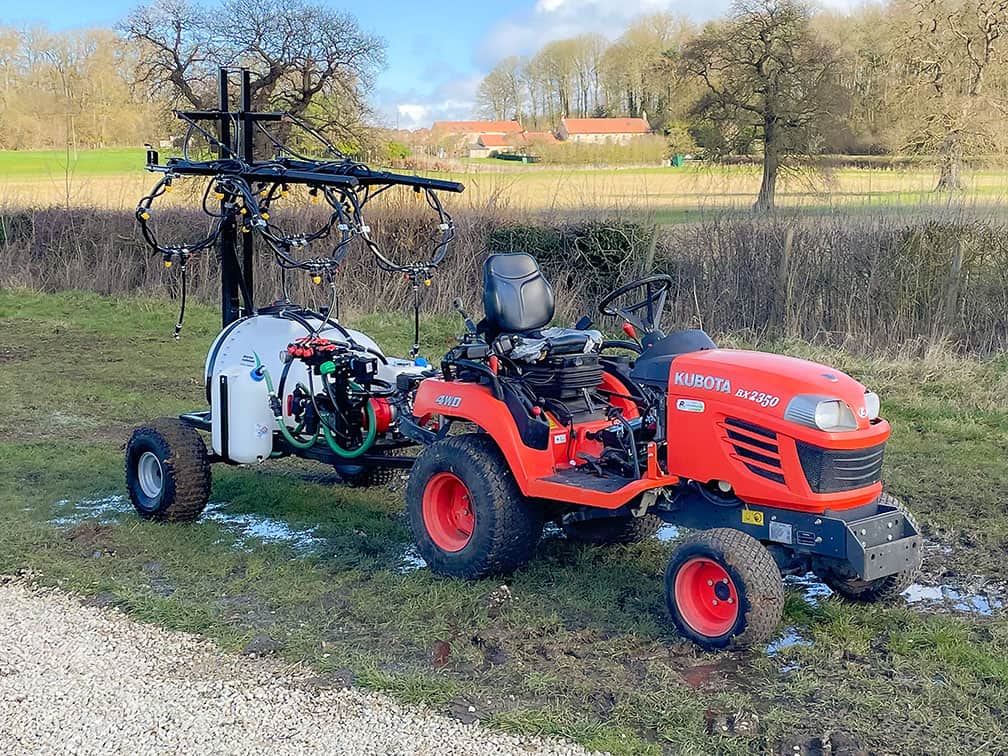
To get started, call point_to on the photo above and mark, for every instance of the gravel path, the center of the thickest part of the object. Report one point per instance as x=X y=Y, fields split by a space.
x=77 y=679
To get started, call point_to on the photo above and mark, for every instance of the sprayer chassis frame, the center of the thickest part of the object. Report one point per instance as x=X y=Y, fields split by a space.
x=318 y=453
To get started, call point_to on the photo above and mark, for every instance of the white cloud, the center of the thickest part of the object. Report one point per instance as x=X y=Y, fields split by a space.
x=451 y=100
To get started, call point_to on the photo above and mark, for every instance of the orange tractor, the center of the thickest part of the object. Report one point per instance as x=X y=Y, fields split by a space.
x=774 y=462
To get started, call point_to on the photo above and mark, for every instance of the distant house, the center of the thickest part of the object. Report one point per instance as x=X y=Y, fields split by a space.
x=464 y=136
x=488 y=145
x=539 y=137
x=603 y=130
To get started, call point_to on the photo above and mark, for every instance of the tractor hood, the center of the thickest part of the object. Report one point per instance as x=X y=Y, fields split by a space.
x=768 y=381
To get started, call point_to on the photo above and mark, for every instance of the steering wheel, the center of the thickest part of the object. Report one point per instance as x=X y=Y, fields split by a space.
x=646 y=313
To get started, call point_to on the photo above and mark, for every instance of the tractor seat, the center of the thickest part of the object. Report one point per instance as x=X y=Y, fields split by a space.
x=518 y=302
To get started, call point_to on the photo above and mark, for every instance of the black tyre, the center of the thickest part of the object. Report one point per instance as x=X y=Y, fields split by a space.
x=609 y=531
x=724 y=589
x=848 y=585
x=367 y=476
x=167 y=471
x=468 y=517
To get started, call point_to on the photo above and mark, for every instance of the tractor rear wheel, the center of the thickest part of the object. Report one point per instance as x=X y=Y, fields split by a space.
x=468 y=517
x=609 y=531
x=851 y=587
x=723 y=588
x=167 y=471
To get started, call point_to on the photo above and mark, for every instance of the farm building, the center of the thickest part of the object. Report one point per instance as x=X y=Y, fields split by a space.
x=603 y=130
x=488 y=145
x=463 y=137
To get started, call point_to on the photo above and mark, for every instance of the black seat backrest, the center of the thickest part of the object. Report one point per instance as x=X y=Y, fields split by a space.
x=516 y=297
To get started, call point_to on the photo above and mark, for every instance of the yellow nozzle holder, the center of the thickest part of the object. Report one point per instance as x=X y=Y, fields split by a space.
x=243 y=211
x=167 y=263
x=427 y=282
x=167 y=188
x=244 y=229
x=219 y=195
x=264 y=216
x=284 y=191
x=145 y=215
x=316 y=278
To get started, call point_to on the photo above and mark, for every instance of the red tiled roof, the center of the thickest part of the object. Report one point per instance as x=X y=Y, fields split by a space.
x=494 y=140
x=547 y=137
x=606 y=126
x=482 y=127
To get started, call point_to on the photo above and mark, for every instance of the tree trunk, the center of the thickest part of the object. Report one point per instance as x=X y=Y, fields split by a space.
x=771 y=165
x=951 y=165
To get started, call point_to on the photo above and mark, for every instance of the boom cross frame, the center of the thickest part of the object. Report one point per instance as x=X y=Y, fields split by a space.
x=235 y=145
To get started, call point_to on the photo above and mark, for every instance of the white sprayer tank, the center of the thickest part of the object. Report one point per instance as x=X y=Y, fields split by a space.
x=242 y=420
x=263 y=339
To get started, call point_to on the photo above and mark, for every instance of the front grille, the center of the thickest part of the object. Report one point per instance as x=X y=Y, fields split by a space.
x=834 y=470
x=755 y=444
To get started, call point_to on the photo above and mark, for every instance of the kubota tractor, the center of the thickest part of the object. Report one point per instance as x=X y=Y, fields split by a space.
x=774 y=462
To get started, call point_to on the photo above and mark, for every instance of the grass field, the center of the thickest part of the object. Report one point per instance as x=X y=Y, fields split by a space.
x=583 y=646
x=115 y=179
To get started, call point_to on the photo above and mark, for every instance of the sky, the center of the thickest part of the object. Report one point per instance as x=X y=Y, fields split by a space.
x=437 y=50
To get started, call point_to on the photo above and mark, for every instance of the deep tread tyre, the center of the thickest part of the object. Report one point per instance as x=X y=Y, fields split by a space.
x=168 y=452
x=367 y=476
x=853 y=588
x=610 y=531
x=724 y=589
x=503 y=526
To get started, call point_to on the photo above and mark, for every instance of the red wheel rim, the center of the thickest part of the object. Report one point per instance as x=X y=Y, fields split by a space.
x=447 y=512
x=706 y=597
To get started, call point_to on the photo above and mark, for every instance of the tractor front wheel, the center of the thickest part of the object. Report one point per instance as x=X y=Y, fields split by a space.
x=468 y=517
x=609 y=531
x=723 y=588
x=167 y=471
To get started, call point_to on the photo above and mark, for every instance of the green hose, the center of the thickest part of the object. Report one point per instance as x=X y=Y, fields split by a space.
x=297 y=444
x=369 y=437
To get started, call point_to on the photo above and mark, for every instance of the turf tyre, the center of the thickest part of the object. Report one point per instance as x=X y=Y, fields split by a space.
x=174 y=454
x=853 y=588
x=506 y=526
x=755 y=579
x=611 y=531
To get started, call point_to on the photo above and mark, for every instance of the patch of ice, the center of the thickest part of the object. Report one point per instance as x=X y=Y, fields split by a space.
x=667 y=532
x=105 y=509
x=812 y=588
x=983 y=601
x=790 y=637
x=264 y=529
x=411 y=560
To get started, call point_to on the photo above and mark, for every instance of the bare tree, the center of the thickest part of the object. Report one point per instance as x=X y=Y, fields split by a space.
x=952 y=48
x=501 y=93
x=769 y=79
x=306 y=58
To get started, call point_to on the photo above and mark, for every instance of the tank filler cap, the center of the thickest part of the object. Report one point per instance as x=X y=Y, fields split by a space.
x=256 y=373
x=421 y=362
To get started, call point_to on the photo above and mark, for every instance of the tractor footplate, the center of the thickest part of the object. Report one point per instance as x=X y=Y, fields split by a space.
x=883 y=544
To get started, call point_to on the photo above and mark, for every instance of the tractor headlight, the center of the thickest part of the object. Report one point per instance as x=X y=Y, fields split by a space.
x=834 y=415
x=872 y=404
x=822 y=412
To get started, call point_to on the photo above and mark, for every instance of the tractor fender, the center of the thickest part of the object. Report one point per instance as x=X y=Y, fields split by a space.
x=475 y=403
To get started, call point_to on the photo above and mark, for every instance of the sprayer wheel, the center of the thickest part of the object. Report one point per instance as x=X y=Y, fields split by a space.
x=167 y=471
